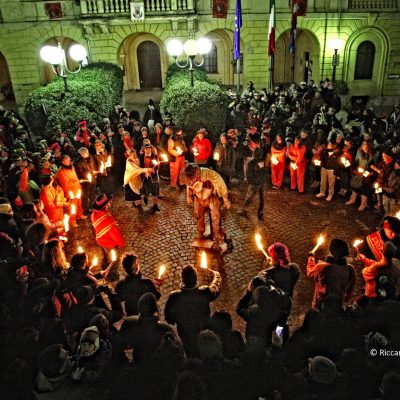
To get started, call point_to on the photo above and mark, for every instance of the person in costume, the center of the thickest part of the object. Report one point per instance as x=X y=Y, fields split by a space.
x=69 y=181
x=205 y=187
x=108 y=234
x=133 y=181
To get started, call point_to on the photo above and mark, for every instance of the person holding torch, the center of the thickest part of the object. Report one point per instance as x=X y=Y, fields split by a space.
x=176 y=149
x=189 y=306
x=333 y=276
x=69 y=181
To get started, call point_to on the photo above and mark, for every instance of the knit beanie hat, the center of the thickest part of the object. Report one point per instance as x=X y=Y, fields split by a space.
x=147 y=305
x=338 y=248
x=322 y=369
x=189 y=277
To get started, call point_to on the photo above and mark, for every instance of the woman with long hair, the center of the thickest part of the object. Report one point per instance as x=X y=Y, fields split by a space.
x=278 y=161
x=361 y=181
x=54 y=262
x=36 y=236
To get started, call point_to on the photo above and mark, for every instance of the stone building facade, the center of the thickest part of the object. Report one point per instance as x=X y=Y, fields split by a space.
x=365 y=33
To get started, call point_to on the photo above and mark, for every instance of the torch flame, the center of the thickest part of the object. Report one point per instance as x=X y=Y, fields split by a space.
x=80 y=249
x=66 y=222
x=203 y=262
x=71 y=195
x=154 y=162
x=357 y=242
x=108 y=163
x=376 y=185
x=164 y=157
x=343 y=159
x=79 y=194
x=161 y=271
x=321 y=240
x=95 y=262
x=397 y=215
x=102 y=167
x=216 y=156
x=73 y=209
x=360 y=170
x=113 y=255
x=179 y=150
x=258 y=241
x=89 y=177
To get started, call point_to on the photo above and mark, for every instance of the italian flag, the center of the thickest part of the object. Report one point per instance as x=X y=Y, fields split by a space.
x=271 y=30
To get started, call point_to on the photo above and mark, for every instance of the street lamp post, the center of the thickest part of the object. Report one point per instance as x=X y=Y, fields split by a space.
x=191 y=48
x=55 y=56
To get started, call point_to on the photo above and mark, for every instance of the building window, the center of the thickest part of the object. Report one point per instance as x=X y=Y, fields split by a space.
x=365 y=60
x=211 y=60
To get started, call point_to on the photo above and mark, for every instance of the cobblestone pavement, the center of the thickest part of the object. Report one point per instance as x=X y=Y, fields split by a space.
x=166 y=237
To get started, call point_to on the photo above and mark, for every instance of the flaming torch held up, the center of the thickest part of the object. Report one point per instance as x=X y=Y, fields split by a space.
x=66 y=222
x=261 y=247
x=356 y=243
x=95 y=262
x=161 y=271
x=79 y=194
x=80 y=249
x=203 y=260
x=113 y=255
x=89 y=177
x=108 y=163
x=320 y=240
x=73 y=209
x=71 y=195
x=164 y=157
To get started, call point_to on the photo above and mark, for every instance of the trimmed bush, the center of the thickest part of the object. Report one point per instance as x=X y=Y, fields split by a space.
x=203 y=105
x=92 y=94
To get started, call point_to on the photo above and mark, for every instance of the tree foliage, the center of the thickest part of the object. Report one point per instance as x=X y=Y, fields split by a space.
x=202 y=106
x=92 y=94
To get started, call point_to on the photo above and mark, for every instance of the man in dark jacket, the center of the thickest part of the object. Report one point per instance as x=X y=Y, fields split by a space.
x=133 y=287
x=189 y=307
x=85 y=168
x=333 y=276
x=256 y=176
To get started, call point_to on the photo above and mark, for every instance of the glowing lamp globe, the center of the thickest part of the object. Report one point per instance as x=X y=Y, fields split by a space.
x=174 y=48
x=336 y=44
x=190 y=47
x=204 y=45
x=77 y=52
x=52 y=55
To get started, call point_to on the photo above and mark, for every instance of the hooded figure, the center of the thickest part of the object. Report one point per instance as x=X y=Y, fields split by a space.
x=333 y=276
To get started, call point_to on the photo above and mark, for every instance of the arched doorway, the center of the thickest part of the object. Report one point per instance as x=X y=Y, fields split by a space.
x=6 y=89
x=46 y=73
x=307 y=48
x=148 y=55
x=143 y=66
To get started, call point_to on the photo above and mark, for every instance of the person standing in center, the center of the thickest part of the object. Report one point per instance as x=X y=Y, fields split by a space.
x=278 y=161
x=202 y=148
x=177 y=149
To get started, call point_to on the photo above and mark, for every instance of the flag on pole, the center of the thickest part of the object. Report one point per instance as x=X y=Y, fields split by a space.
x=292 y=42
x=236 y=31
x=271 y=30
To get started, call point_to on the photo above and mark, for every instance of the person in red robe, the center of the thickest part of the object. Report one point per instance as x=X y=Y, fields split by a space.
x=177 y=149
x=108 y=235
x=298 y=164
x=69 y=181
x=53 y=199
x=278 y=161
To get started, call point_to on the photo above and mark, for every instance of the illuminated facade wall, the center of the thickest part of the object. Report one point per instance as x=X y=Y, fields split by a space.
x=110 y=35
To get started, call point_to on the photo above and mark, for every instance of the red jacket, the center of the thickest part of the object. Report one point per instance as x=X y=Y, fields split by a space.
x=201 y=147
x=108 y=234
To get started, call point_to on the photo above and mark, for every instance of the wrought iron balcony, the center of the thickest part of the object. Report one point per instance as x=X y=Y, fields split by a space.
x=122 y=7
x=373 y=5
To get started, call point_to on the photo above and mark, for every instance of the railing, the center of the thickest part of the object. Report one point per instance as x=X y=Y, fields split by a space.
x=110 y=7
x=373 y=4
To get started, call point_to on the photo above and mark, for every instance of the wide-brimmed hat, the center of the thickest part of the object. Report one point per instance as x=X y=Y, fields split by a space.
x=101 y=201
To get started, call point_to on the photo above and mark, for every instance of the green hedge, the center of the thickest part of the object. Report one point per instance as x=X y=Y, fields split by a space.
x=92 y=94
x=203 y=105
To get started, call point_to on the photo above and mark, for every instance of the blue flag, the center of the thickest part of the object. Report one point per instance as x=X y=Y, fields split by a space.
x=292 y=42
x=236 y=31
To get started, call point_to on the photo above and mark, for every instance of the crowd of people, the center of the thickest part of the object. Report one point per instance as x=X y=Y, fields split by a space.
x=70 y=333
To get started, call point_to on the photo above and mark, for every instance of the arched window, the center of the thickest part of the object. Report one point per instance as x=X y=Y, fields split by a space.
x=211 y=60
x=365 y=60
